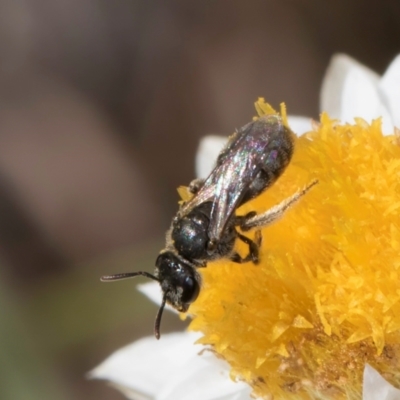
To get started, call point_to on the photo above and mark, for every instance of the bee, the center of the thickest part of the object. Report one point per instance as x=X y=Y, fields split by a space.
x=205 y=227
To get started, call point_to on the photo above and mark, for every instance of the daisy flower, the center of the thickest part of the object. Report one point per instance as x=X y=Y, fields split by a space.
x=319 y=317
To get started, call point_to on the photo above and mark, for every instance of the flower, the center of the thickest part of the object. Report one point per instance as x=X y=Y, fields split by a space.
x=352 y=90
x=171 y=368
x=324 y=301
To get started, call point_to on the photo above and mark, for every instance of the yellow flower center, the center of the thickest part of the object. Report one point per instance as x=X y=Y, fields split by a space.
x=325 y=298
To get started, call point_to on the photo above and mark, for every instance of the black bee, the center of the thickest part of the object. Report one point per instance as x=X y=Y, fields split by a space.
x=205 y=227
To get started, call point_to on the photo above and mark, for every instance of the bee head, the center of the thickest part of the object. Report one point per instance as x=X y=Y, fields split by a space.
x=179 y=282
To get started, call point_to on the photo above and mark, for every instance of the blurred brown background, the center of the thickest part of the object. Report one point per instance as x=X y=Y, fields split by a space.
x=102 y=104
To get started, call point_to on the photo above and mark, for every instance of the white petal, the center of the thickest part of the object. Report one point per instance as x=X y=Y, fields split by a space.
x=375 y=387
x=153 y=292
x=299 y=125
x=390 y=87
x=148 y=364
x=350 y=89
x=360 y=98
x=204 y=378
x=207 y=153
x=171 y=368
x=335 y=79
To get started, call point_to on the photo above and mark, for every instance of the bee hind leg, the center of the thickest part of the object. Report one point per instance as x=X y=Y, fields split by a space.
x=267 y=218
x=254 y=247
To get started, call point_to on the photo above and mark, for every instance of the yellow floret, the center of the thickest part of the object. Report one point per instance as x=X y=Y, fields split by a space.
x=325 y=298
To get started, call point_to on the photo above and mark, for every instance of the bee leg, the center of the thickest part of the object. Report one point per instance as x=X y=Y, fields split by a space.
x=242 y=219
x=258 y=238
x=253 y=249
x=200 y=264
x=195 y=185
x=267 y=218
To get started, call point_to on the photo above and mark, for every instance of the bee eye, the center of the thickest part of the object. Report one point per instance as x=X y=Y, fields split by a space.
x=191 y=290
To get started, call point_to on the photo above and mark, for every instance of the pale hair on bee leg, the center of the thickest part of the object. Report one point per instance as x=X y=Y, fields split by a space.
x=276 y=212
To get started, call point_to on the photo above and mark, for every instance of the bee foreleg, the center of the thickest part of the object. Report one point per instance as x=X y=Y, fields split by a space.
x=254 y=247
x=199 y=264
x=274 y=213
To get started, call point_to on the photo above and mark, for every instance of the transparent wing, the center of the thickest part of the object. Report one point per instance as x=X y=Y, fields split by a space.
x=207 y=191
x=234 y=179
x=247 y=152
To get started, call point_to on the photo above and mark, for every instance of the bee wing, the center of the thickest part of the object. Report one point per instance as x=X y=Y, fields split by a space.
x=234 y=178
x=248 y=152
x=237 y=166
x=208 y=191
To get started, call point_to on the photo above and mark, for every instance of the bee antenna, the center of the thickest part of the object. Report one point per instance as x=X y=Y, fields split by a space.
x=127 y=275
x=158 y=317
